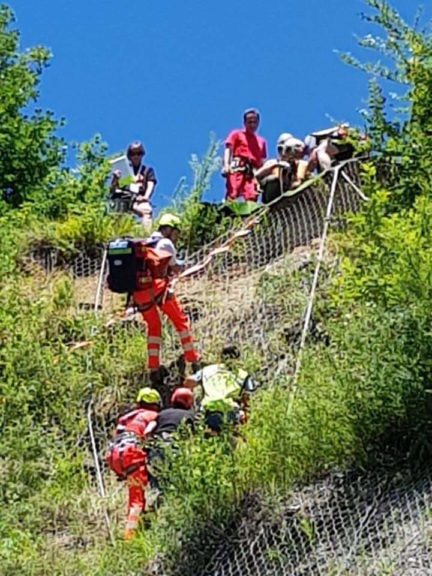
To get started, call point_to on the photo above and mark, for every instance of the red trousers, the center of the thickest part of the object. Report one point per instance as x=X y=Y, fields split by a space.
x=136 y=482
x=172 y=309
x=130 y=461
x=242 y=185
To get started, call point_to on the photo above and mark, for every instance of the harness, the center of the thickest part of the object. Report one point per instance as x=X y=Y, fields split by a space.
x=243 y=166
x=115 y=454
x=158 y=300
x=124 y=439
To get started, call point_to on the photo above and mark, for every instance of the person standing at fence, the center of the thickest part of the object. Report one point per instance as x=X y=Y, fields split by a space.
x=287 y=171
x=127 y=457
x=145 y=178
x=244 y=152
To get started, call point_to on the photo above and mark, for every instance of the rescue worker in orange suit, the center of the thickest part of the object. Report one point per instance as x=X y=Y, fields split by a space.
x=127 y=457
x=159 y=296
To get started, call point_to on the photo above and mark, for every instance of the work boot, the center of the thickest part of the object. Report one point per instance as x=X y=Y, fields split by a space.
x=181 y=366
x=128 y=534
x=196 y=366
x=155 y=377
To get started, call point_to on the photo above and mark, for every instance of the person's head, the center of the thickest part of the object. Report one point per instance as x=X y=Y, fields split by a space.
x=251 y=118
x=149 y=398
x=169 y=226
x=282 y=139
x=135 y=153
x=182 y=398
x=343 y=131
x=290 y=149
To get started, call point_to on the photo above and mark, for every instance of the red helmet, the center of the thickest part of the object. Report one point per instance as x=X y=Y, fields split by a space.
x=182 y=397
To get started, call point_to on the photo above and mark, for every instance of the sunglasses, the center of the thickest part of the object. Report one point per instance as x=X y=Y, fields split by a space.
x=135 y=154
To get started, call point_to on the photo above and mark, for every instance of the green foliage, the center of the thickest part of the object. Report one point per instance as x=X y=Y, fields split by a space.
x=30 y=153
x=75 y=191
x=201 y=222
x=405 y=58
x=362 y=396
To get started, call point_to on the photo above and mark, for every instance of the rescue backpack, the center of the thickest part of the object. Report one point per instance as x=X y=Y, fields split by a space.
x=133 y=263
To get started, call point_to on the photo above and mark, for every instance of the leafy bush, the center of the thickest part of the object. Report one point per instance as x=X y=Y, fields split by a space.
x=360 y=398
x=202 y=222
x=30 y=152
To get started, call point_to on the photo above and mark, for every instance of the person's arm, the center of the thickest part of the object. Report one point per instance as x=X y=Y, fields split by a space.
x=312 y=163
x=150 y=184
x=227 y=156
x=115 y=180
x=150 y=428
x=166 y=245
x=193 y=381
x=148 y=191
x=230 y=146
x=264 y=151
x=301 y=174
x=266 y=169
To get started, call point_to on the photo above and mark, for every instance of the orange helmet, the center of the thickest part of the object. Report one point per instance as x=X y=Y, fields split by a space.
x=182 y=397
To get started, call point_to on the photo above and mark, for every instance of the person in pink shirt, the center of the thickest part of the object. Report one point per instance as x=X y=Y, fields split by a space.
x=244 y=152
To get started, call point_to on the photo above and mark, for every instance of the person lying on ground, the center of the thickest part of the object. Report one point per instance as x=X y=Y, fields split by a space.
x=169 y=422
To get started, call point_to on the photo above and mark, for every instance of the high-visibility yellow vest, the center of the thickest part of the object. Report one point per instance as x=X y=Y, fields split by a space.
x=222 y=387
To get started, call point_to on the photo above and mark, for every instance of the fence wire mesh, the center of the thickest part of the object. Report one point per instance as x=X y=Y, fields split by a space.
x=346 y=525
x=253 y=286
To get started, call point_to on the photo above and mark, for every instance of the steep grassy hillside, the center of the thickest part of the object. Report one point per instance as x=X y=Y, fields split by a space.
x=362 y=395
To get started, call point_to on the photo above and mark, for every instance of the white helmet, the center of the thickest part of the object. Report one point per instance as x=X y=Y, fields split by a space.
x=283 y=138
x=292 y=145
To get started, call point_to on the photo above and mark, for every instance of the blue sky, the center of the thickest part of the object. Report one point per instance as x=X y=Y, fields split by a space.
x=169 y=72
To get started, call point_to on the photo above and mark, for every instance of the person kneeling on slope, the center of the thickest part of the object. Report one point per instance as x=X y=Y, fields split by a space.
x=226 y=388
x=159 y=295
x=127 y=457
x=169 y=422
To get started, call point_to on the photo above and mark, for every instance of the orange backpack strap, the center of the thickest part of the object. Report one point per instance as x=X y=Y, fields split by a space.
x=157 y=262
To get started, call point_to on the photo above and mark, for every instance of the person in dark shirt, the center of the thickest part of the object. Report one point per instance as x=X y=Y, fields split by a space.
x=145 y=179
x=169 y=419
x=168 y=422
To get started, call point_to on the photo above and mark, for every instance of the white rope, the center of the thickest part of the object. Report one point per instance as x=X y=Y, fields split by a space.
x=99 y=290
x=356 y=188
x=309 y=308
x=101 y=487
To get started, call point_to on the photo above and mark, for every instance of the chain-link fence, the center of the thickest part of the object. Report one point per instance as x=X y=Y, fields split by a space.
x=254 y=286
x=342 y=525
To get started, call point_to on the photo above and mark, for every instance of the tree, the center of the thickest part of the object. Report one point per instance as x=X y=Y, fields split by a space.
x=405 y=60
x=30 y=151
